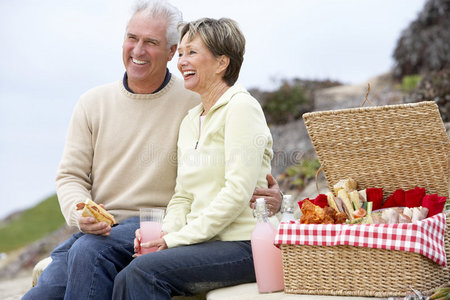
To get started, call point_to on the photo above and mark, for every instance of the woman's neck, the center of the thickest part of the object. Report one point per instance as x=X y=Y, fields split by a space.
x=210 y=97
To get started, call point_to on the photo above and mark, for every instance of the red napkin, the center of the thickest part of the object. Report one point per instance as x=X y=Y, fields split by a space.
x=413 y=197
x=390 y=202
x=321 y=200
x=434 y=203
x=399 y=196
x=396 y=199
x=375 y=195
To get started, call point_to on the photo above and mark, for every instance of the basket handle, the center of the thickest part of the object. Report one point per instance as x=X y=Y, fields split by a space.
x=317 y=176
x=367 y=99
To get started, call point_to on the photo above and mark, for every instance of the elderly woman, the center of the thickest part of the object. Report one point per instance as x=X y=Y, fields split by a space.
x=224 y=152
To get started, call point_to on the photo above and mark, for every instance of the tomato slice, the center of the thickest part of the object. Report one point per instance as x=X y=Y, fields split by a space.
x=359 y=213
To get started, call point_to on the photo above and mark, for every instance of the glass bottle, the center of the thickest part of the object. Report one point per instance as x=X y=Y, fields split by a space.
x=266 y=256
x=287 y=209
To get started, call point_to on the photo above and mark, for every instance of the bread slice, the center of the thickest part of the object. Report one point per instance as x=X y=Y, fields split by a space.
x=347 y=185
x=347 y=203
x=363 y=195
x=92 y=209
x=331 y=202
x=354 y=196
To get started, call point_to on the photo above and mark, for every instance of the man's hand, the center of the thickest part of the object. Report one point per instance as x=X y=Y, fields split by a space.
x=272 y=195
x=89 y=225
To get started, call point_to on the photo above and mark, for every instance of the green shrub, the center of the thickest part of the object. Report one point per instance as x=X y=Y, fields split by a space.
x=297 y=176
x=410 y=82
x=434 y=86
x=31 y=225
x=286 y=104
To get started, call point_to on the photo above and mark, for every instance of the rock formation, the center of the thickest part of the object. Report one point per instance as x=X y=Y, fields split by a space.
x=424 y=46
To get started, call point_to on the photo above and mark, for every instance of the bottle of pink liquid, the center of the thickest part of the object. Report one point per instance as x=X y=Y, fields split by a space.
x=266 y=256
x=150 y=231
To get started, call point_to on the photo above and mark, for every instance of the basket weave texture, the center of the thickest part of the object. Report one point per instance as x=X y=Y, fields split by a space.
x=360 y=271
x=390 y=147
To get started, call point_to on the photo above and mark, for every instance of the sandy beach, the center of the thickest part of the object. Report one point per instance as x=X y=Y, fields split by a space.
x=14 y=288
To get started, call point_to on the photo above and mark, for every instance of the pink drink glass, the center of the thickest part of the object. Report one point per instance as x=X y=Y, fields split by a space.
x=151 y=225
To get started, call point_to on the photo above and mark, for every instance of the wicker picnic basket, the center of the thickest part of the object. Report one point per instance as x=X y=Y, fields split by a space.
x=390 y=147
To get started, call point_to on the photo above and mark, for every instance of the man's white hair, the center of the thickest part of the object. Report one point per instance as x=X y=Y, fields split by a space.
x=162 y=8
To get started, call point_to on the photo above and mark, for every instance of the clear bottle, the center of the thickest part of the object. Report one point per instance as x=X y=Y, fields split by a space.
x=266 y=256
x=287 y=209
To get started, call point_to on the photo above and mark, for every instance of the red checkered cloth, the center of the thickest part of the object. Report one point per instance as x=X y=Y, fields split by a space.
x=425 y=237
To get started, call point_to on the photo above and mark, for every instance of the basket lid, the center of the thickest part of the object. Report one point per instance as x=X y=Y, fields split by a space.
x=389 y=147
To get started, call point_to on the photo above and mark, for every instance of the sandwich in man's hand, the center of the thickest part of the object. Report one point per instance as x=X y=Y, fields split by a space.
x=91 y=209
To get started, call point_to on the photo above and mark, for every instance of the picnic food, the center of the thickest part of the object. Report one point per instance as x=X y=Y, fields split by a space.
x=347 y=185
x=347 y=199
x=92 y=209
x=311 y=214
x=356 y=206
x=359 y=213
x=314 y=214
x=396 y=215
x=358 y=198
x=348 y=206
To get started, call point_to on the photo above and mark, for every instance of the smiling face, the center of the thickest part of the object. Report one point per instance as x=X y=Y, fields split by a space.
x=145 y=52
x=200 y=69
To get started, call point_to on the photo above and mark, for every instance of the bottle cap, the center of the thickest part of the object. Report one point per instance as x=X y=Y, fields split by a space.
x=260 y=200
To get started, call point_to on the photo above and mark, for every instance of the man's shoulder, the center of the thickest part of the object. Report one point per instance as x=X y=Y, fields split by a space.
x=100 y=95
x=190 y=98
x=104 y=88
x=178 y=84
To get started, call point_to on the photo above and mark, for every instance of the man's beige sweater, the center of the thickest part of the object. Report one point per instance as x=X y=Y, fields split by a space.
x=121 y=149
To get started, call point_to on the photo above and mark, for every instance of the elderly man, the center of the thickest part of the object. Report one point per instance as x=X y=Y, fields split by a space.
x=121 y=152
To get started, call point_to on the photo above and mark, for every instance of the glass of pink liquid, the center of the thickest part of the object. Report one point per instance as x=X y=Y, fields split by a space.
x=151 y=225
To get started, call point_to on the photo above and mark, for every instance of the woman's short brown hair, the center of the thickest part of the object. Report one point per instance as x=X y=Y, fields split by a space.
x=222 y=37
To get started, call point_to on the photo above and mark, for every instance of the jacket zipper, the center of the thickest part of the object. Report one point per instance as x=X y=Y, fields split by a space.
x=199 y=130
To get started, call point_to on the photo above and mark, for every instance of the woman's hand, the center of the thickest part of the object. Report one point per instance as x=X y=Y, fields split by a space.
x=159 y=243
x=137 y=243
x=272 y=195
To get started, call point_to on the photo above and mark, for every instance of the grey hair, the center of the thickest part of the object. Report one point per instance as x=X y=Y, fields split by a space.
x=161 y=8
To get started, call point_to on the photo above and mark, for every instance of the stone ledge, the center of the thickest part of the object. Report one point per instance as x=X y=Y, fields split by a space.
x=249 y=291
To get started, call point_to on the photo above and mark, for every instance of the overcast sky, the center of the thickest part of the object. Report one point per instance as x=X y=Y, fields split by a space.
x=52 y=51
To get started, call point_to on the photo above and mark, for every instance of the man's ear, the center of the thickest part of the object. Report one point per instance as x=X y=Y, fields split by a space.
x=172 y=51
x=224 y=61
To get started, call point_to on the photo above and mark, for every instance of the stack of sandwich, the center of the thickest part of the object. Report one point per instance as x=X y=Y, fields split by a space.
x=348 y=199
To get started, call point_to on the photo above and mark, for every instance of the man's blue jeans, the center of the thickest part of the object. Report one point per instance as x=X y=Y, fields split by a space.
x=84 y=266
x=186 y=271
